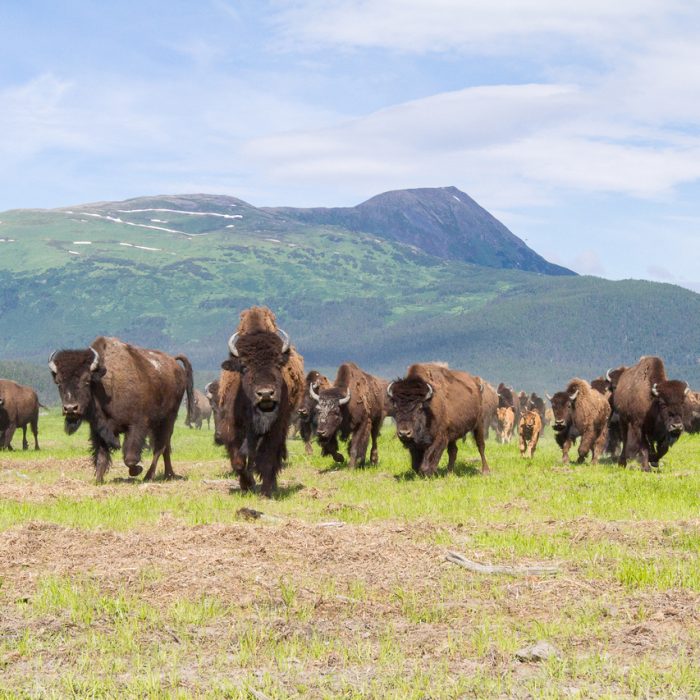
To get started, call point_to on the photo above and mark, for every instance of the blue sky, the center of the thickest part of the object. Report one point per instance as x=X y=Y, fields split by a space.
x=577 y=124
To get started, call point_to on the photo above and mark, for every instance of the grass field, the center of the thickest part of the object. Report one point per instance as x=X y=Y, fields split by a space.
x=341 y=588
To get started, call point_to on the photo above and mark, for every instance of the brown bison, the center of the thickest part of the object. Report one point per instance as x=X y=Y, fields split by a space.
x=202 y=411
x=536 y=403
x=211 y=391
x=651 y=409
x=19 y=408
x=433 y=408
x=506 y=423
x=307 y=406
x=227 y=431
x=489 y=403
x=351 y=409
x=123 y=389
x=691 y=419
x=529 y=431
x=579 y=411
x=262 y=406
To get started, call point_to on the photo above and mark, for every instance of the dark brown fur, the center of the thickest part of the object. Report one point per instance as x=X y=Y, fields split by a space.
x=307 y=405
x=134 y=392
x=358 y=420
x=428 y=426
x=489 y=403
x=262 y=408
x=586 y=417
x=649 y=424
x=19 y=408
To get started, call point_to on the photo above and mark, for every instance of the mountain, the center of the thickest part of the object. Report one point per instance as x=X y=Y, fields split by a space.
x=174 y=273
x=442 y=221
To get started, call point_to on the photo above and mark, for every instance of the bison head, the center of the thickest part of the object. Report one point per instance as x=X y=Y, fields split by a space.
x=670 y=398
x=328 y=410
x=411 y=398
x=75 y=373
x=259 y=358
x=562 y=407
x=308 y=402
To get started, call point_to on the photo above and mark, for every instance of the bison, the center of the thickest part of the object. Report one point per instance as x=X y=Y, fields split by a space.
x=307 y=406
x=118 y=389
x=202 y=411
x=211 y=391
x=506 y=423
x=19 y=408
x=529 y=431
x=262 y=406
x=489 y=402
x=227 y=432
x=351 y=409
x=536 y=403
x=579 y=411
x=691 y=419
x=651 y=409
x=433 y=408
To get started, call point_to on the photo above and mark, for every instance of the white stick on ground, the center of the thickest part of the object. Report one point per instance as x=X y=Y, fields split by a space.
x=539 y=570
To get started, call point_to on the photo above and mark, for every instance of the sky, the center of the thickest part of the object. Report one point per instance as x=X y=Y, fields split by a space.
x=576 y=124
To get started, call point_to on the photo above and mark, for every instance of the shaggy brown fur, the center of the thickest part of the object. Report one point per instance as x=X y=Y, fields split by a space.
x=133 y=391
x=650 y=424
x=506 y=423
x=19 y=407
x=691 y=419
x=254 y=319
x=586 y=416
x=433 y=408
x=307 y=414
x=358 y=420
x=529 y=431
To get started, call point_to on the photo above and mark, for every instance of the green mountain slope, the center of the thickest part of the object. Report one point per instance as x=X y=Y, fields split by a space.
x=174 y=272
x=441 y=221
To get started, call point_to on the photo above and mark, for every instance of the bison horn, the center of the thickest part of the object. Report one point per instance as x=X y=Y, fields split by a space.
x=52 y=364
x=574 y=395
x=285 y=340
x=549 y=398
x=654 y=390
x=429 y=395
x=232 y=344
x=345 y=399
x=96 y=360
x=687 y=389
x=607 y=375
x=207 y=390
x=313 y=393
x=389 y=392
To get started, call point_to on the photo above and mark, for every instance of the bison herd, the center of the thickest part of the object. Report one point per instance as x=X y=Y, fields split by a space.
x=129 y=395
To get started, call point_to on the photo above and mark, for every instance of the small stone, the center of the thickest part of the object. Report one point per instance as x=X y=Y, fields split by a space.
x=541 y=651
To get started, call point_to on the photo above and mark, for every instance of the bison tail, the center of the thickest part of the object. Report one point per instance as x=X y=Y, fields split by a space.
x=189 y=387
x=41 y=405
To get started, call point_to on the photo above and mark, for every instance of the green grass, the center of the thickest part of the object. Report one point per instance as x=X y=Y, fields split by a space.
x=287 y=625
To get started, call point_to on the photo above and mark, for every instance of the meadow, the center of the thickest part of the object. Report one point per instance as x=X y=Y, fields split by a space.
x=339 y=586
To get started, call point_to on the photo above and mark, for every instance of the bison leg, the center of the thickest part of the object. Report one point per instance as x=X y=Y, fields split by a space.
x=431 y=457
x=100 y=455
x=451 y=455
x=585 y=446
x=358 y=445
x=480 y=443
x=330 y=447
x=35 y=431
x=133 y=447
x=416 y=458
x=266 y=460
x=521 y=444
x=9 y=434
x=624 y=435
x=532 y=445
x=25 y=444
x=599 y=444
x=374 y=454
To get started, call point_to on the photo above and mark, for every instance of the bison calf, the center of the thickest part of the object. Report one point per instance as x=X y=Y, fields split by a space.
x=529 y=431
x=580 y=411
x=505 y=418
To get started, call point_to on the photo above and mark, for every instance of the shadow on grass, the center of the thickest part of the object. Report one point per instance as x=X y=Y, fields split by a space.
x=460 y=469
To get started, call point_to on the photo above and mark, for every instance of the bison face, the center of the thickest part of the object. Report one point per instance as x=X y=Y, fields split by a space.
x=259 y=357
x=329 y=410
x=562 y=407
x=411 y=399
x=670 y=398
x=75 y=372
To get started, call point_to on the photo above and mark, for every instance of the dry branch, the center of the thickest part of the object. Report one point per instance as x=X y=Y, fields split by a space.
x=539 y=570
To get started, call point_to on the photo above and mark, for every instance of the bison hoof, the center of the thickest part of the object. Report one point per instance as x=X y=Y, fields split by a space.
x=338 y=458
x=135 y=469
